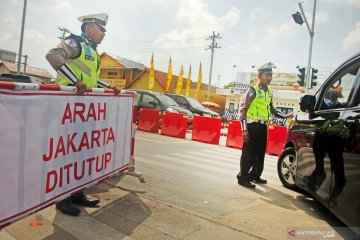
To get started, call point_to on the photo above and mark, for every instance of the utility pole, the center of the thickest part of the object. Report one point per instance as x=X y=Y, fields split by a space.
x=21 y=38
x=63 y=31
x=218 y=76
x=25 y=63
x=311 y=32
x=213 y=45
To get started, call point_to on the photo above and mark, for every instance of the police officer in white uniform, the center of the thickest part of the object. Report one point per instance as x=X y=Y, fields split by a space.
x=78 y=64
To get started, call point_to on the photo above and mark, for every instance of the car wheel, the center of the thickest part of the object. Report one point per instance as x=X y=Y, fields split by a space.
x=287 y=168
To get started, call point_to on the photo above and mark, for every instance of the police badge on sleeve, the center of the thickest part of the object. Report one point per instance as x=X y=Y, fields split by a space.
x=70 y=42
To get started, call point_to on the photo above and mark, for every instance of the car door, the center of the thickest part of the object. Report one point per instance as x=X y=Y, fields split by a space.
x=321 y=156
x=344 y=199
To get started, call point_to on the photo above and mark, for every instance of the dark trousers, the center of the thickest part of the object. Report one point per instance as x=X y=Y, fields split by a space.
x=253 y=152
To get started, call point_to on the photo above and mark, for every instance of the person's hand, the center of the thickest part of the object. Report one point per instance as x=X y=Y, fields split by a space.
x=289 y=115
x=245 y=135
x=81 y=87
x=116 y=90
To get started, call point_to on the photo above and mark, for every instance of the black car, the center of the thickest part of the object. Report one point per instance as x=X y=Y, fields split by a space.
x=322 y=153
x=193 y=105
x=154 y=100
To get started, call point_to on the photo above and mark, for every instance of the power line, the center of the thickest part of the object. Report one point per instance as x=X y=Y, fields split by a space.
x=152 y=41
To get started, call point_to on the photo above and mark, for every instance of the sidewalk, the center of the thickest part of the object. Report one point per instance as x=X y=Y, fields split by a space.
x=123 y=214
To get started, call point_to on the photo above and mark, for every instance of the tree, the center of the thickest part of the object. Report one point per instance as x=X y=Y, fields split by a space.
x=229 y=85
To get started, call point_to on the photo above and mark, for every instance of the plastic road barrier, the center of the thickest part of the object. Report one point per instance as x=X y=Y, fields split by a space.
x=149 y=120
x=174 y=124
x=234 y=136
x=276 y=139
x=55 y=142
x=206 y=129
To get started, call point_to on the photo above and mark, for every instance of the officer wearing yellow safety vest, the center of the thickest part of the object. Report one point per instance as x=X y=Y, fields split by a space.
x=78 y=64
x=255 y=110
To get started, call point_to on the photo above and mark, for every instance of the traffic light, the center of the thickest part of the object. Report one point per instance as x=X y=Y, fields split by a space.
x=314 y=77
x=297 y=18
x=302 y=77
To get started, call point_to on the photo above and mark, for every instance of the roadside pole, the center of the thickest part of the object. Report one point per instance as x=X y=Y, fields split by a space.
x=21 y=38
x=311 y=32
x=212 y=47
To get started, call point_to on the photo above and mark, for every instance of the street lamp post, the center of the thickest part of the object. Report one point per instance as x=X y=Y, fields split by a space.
x=21 y=38
x=311 y=32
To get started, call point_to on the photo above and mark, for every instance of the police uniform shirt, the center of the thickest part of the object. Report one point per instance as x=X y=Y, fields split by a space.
x=68 y=49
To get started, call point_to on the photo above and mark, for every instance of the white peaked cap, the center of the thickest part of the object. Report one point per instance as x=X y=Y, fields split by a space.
x=267 y=67
x=99 y=19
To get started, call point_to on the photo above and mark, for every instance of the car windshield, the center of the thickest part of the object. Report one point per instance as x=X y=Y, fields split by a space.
x=195 y=103
x=167 y=101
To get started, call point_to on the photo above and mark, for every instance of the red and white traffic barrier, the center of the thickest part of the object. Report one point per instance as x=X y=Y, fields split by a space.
x=54 y=143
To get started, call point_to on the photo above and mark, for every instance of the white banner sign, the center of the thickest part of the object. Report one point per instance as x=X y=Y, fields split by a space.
x=55 y=143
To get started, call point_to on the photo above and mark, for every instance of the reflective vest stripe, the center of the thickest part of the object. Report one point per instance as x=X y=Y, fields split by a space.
x=86 y=67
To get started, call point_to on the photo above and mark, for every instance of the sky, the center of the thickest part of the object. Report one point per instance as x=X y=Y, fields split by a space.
x=252 y=33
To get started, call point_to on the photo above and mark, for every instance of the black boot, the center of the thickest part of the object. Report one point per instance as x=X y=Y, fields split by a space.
x=259 y=180
x=80 y=199
x=67 y=207
x=245 y=183
x=238 y=178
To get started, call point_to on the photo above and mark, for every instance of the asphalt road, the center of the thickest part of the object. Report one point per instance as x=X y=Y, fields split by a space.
x=191 y=192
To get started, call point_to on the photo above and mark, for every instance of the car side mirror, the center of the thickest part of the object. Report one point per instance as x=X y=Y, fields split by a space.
x=307 y=103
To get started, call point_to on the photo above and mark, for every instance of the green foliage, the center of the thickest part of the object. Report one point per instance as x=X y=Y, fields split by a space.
x=229 y=85
x=335 y=129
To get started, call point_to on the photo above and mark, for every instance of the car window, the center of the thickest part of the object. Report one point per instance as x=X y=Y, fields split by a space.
x=337 y=93
x=195 y=103
x=149 y=99
x=167 y=101
x=181 y=101
x=173 y=97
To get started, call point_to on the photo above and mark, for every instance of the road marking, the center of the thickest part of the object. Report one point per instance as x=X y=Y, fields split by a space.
x=223 y=153
x=206 y=160
x=149 y=140
x=184 y=170
x=180 y=167
x=229 y=159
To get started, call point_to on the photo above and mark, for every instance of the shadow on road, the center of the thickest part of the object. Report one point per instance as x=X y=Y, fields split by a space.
x=306 y=203
x=120 y=217
x=124 y=214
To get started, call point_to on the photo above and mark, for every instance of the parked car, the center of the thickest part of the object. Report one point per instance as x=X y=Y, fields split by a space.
x=154 y=100
x=322 y=153
x=7 y=77
x=193 y=105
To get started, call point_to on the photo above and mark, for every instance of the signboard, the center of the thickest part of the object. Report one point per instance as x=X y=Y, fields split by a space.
x=116 y=82
x=279 y=79
x=55 y=143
